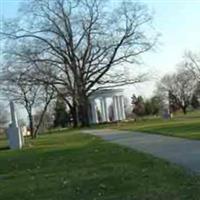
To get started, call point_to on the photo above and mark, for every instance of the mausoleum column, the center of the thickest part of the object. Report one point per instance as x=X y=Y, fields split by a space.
x=94 y=112
x=115 y=113
x=106 y=110
x=122 y=107
x=102 y=110
x=119 y=108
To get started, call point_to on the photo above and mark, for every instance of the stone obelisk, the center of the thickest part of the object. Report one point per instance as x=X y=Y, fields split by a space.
x=13 y=131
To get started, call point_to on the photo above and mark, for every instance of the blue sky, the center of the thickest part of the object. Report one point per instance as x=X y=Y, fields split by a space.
x=178 y=22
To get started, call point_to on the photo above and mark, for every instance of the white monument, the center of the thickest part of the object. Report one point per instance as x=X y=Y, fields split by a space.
x=118 y=105
x=13 y=132
x=25 y=131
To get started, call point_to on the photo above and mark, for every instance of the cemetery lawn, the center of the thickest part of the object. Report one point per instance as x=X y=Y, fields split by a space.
x=179 y=127
x=73 y=166
x=187 y=126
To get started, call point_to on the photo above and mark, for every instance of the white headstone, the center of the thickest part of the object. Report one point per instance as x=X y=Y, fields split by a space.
x=13 y=131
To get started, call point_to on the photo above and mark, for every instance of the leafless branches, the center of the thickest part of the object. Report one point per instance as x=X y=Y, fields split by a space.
x=179 y=88
x=74 y=45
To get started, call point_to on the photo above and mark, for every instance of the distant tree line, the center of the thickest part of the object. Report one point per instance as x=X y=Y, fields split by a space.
x=176 y=91
x=145 y=107
x=181 y=89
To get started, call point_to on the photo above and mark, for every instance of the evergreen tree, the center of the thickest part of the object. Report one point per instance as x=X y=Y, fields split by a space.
x=155 y=105
x=61 y=116
x=138 y=105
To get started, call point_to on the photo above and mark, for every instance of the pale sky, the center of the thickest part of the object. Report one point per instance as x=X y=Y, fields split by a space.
x=178 y=22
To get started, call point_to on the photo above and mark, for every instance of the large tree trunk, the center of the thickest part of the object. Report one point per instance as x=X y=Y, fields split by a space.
x=84 y=110
x=31 y=125
x=74 y=114
x=184 y=109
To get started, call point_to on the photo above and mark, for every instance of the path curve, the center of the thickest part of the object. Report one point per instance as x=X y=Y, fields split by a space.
x=180 y=151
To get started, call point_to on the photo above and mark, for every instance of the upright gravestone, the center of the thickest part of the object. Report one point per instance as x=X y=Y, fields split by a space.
x=13 y=131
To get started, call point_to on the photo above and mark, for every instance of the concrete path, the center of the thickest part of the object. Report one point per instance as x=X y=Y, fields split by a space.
x=180 y=151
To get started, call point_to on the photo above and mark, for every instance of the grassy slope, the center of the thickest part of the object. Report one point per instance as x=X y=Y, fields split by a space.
x=180 y=126
x=75 y=166
x=175 y=127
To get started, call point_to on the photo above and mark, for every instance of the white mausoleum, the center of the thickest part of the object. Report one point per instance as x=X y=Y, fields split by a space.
x=117 y=97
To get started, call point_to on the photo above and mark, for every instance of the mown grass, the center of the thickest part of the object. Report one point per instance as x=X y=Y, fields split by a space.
x=73 y=166
x=186 y=126
x=182 y=126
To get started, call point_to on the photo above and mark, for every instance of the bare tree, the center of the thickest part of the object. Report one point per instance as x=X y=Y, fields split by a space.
x=46 y=122
x=16 y=87
x=191 y=62
x=81 y=43
x=47 y=94
x=178 y=88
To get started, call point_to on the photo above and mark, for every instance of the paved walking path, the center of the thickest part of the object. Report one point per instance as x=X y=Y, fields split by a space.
x=180 y=151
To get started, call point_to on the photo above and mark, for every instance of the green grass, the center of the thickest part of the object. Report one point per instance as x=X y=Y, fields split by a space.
x=73 y=166
x=180 y=126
